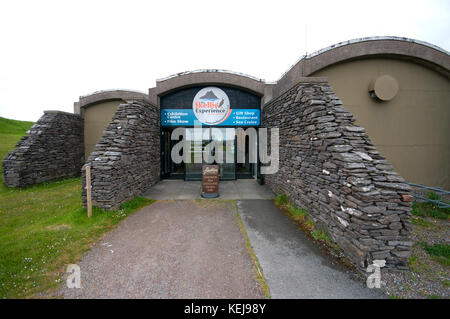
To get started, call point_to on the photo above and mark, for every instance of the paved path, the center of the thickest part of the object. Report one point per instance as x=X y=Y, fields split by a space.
x=293 y=266
x=238 y=189
x=171 y=249
x=195 y=249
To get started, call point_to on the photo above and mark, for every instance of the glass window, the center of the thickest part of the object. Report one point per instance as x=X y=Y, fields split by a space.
x=225 y=145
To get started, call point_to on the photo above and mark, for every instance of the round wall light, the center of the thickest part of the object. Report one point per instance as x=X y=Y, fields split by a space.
x=384 y=88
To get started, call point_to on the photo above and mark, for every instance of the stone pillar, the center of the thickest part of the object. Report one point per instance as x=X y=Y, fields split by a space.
x=53 y=148
x=329 y=167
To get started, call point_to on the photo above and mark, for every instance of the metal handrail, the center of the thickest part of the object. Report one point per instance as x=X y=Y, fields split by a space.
x=439 y=203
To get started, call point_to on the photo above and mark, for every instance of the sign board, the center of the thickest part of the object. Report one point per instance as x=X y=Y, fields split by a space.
x=210 y=181
x=186 y=117
x=210 y=106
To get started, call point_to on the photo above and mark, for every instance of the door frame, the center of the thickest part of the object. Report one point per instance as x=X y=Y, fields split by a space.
x=169 y=175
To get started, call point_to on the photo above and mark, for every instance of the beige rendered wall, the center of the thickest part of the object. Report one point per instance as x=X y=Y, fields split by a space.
x=413 y=130
x=96 y=119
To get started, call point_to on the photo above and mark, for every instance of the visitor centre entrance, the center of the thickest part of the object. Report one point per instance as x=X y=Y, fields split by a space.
x=230 y=141
x=219 y=121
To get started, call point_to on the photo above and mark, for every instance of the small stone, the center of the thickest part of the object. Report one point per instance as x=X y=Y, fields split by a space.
x=407 y=198
x=395 y=225
x=364 y=156
x=355 y=129
x=401 y=253
x=339 y=148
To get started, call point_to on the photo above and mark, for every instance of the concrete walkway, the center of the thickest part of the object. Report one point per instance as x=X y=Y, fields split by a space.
x=238 y=189
x=171 y=249
x=293 y=266
x=195 y=249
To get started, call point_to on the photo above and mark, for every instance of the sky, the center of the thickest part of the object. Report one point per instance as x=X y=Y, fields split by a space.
x=51 y=52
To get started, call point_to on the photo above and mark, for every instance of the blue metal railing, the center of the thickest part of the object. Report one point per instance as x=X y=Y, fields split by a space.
x=439 y=192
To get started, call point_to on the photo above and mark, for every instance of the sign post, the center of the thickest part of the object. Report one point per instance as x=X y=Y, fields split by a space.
x=88 y=191
x=210 y=181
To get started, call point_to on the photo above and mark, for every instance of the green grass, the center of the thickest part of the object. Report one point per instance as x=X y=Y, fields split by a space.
x=7 y=143
x=433 y=196
x=430 y=210
x=43 y=228
x=320 y=236
x=297 y=213
x=310 y=224
x=440 y=252
x=417 y=265
x=11 y=132
x=14 y=127
x=9 y=140
x=300 y=216
x=281 y=199
x=420 y=222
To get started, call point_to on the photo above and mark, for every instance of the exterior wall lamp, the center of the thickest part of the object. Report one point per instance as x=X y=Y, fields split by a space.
x=384 y=88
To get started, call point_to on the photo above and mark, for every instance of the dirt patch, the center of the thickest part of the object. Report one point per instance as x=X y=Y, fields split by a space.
x=427 y=277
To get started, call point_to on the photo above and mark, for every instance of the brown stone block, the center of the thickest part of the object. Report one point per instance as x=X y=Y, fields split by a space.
x=407 y=198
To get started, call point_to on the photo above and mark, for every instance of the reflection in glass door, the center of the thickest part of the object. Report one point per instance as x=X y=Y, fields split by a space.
x=196 y=142
x=169 y=169
x=225 y=139
x=224 y=143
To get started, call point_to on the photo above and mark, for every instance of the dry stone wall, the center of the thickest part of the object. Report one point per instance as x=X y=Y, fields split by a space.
x=329 y=166
x=52 y=149
x=126 y=161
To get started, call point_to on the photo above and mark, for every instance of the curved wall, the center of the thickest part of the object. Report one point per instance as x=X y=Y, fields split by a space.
x=125 y=162
x=97 y=110
x=412 y=130
x=96 y=119
x=206 y=77
x=420 y=52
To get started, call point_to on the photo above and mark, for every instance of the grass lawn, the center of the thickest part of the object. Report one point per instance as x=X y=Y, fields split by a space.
x=43 y=228
x=14 y=127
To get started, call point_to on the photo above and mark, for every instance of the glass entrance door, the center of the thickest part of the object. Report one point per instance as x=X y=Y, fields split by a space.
x=245 y=145
x=169 y=169
x=197 y=143
x=224 y=143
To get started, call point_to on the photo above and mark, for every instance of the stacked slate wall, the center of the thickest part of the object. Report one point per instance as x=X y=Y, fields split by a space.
x=329 y=166
x=126 y=160
x=52 y=149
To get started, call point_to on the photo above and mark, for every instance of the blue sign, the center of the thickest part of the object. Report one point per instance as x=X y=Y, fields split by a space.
x=186 y=117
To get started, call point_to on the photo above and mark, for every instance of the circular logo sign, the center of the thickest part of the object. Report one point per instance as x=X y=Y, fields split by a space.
x=211 y=106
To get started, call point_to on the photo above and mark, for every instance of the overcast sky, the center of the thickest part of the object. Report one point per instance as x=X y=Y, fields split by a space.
x=52 y=52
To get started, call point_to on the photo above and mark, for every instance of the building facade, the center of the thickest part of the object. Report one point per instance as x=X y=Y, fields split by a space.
x=409 y=126
x=356 y=121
